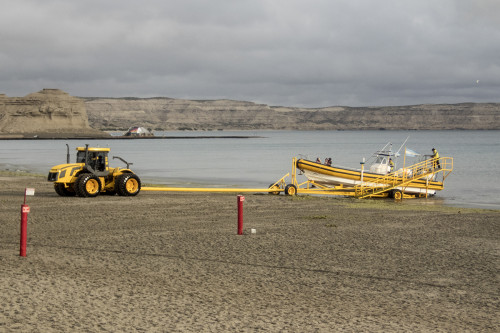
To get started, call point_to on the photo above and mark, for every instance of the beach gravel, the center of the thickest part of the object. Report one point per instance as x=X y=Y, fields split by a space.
x=173 y=262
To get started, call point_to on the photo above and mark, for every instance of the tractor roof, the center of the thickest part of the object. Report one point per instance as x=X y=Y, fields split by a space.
x=96 y=149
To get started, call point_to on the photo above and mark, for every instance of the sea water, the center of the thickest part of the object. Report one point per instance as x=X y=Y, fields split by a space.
x=266 y=156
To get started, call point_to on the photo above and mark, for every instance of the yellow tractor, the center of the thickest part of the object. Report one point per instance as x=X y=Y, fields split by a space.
x=91 y=175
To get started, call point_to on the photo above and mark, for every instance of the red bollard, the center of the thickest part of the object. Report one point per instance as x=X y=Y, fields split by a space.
x=240 y=214
x=25 y=209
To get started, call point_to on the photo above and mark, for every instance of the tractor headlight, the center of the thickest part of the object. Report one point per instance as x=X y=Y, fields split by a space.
x=52 y=176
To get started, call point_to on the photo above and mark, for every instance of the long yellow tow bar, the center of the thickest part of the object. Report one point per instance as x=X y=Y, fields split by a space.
x=208 y=189
x=249 y=190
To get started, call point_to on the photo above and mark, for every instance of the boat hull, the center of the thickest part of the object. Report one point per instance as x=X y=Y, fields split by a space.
x=334 y=176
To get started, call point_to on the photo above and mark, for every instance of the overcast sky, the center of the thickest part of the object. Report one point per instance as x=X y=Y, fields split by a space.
x=310 y=53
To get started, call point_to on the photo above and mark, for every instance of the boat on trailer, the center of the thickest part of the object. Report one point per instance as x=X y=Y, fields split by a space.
x=420 y=179
x=419 y=176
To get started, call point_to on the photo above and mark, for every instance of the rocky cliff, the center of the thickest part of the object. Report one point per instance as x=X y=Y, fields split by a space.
x=54 y=113
x=178 y=114
x=47 y=113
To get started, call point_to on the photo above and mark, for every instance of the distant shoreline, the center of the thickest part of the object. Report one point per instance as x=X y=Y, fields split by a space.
x=51 y=136
x=137 y=138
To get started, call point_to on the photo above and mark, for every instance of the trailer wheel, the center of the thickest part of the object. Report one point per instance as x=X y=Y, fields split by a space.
x=127 y=184
x=397 y=194
x=63 y=191
x=290 y=189
x=274 y=187
x=87 y=185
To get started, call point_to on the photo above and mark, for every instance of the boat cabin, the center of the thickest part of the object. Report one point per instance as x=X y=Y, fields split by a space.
x=380 y=163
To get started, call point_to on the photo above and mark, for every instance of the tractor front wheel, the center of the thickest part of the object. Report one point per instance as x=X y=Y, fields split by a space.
x=87 y=185
x=127 y=184
x=64 y=191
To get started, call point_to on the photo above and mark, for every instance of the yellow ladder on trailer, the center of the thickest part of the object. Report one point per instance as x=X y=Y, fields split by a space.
x=402 y=178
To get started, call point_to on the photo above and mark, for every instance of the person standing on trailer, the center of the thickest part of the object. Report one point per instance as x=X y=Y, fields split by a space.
x=435 y=155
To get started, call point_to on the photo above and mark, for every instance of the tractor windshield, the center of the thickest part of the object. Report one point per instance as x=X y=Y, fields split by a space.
x=80 y=157
x=96 y=160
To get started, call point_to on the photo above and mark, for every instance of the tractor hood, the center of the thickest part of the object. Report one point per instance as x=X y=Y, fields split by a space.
x=66 y=166
x=64 y=171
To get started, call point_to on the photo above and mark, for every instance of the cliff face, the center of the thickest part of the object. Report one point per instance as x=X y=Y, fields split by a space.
x=177 y=114
x=47 y=112
x=54 y=113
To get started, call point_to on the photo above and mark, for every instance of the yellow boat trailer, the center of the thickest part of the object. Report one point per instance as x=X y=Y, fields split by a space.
x=380 y=187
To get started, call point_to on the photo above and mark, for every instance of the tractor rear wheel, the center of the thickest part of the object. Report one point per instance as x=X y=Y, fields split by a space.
x=87 y=185
x=64 y=191
x=127 y=184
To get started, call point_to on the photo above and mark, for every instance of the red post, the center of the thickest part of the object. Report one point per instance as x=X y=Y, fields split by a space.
x=25 y=209
x=240 y=214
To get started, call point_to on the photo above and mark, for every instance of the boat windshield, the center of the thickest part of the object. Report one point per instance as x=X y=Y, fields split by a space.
x=381 y=160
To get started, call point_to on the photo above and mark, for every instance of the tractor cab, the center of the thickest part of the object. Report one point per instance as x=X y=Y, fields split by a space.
x=95 y=159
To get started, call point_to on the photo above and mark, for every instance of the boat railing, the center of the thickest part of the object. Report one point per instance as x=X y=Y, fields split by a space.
x=427 y=170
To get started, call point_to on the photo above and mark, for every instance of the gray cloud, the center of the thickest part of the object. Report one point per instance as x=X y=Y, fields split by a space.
x=278 y=52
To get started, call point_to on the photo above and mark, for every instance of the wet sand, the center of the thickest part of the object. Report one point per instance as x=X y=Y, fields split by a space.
x=172 y=262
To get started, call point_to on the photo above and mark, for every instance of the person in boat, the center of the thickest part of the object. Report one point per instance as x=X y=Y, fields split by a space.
x=391 y=165
x=318 y=160
x=328 y=161
x=435 y=155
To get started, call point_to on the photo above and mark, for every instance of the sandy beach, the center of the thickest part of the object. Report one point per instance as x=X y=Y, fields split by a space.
x=172 y=262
